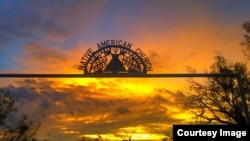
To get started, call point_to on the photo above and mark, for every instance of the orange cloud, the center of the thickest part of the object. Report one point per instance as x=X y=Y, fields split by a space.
x=88 y=109
x=41 y=58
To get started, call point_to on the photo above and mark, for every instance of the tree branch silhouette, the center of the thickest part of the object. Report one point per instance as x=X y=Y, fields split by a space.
x=22 y=129
x=218 y=99
x=246 y=41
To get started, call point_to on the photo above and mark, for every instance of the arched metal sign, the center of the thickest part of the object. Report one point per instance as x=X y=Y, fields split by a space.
x=115 y=57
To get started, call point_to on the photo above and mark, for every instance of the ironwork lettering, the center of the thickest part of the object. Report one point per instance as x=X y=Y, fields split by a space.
x=140 y=52
x=114 y=43
x=115 y=56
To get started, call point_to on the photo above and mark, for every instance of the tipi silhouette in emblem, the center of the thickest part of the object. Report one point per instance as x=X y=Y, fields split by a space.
x=115 y=57
x=115 y=66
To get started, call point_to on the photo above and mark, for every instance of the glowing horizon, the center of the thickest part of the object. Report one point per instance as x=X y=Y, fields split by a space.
x=39 y=37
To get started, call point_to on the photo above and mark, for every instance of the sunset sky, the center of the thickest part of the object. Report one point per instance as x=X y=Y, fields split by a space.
x=51 y=37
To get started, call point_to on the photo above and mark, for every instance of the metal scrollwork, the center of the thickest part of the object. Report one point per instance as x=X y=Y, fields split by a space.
x=115 y=57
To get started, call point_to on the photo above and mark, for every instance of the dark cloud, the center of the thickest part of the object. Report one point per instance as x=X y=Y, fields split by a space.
x=55 y=19
x=41 y=57
x=43 y=54
x=85 y=110
x=159 y=60
x=170 y=98
x=16 y=18
x=122 y=110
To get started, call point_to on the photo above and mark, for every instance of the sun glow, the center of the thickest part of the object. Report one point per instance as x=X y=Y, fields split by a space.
x=187 y=116
x=138 y=133
x=114 y=85
x=135 y=136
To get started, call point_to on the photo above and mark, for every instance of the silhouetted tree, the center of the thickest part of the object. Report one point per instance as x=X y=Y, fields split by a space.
x=19 y=129
x=218 y=99
x=246 y=41
x=6 y=106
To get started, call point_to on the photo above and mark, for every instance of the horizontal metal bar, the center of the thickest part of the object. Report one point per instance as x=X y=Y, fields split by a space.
x=176 y=75
x=120 y=75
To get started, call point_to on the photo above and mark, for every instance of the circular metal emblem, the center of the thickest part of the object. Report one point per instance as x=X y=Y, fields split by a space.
x=115 y=57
